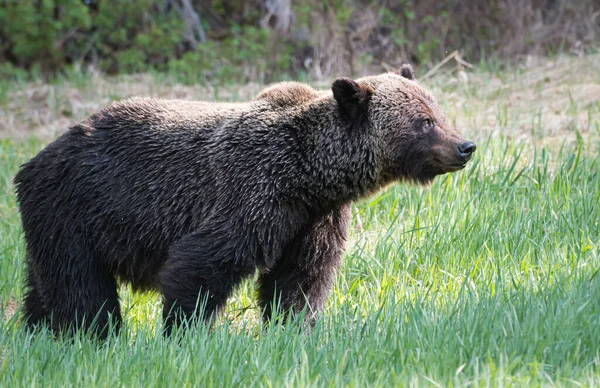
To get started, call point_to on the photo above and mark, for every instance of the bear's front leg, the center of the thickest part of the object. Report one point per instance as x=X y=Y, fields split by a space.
x=200 y=273
x=305 y=273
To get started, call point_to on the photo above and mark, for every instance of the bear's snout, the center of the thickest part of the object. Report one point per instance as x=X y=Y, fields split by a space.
x=465 y=150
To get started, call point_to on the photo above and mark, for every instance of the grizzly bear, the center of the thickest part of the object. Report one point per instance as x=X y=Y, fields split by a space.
x=189 y=198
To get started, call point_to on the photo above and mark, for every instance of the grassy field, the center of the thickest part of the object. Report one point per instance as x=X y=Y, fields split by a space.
x=487 y=277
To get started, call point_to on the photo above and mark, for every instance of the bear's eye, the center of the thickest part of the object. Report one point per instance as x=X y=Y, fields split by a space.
x=427 y=123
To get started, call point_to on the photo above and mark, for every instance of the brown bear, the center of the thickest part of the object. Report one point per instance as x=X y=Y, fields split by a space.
x=189 y=198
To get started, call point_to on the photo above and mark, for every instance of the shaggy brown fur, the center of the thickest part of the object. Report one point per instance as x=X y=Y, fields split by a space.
x=288 y=94
x=192 y=197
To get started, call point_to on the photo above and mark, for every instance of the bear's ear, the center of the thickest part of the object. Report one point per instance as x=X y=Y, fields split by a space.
x=351 y=97
x=407 y=72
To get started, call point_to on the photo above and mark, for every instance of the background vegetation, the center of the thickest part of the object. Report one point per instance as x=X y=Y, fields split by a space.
x=263 y=40
x=490 y=276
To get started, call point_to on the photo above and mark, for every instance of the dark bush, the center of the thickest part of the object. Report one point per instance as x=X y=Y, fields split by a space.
x=265 y=39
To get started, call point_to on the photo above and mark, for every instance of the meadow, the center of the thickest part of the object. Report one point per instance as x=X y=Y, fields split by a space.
x=489 y=276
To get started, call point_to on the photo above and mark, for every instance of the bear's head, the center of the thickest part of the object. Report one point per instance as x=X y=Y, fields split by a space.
x=414 y=140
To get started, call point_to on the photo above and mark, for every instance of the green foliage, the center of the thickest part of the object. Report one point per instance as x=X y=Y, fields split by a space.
x=138 y=41
x=10 y=72
x=122 y=36
x=222 y=60
x=38 y=30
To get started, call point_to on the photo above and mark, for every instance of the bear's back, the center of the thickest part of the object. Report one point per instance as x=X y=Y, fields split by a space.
x=150 y=114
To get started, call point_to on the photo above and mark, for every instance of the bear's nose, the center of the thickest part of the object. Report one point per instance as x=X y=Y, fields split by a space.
x=466 y=149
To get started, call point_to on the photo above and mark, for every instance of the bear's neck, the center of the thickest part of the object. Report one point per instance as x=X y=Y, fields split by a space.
x=340 y=163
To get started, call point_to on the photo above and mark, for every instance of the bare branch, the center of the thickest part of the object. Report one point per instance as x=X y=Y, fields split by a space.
x=193 y=24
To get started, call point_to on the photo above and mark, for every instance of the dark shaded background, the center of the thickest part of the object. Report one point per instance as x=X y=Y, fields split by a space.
x=263 y=40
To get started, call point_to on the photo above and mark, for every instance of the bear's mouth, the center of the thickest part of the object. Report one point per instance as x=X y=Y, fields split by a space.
x=451 y=167
x=454 y=166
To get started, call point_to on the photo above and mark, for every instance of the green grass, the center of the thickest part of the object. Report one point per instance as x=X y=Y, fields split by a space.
x=487 y=277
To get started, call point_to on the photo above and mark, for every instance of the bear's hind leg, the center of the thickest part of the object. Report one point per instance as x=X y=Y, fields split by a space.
x=304 y=275
x=89 y=302
x=34 y=311
x=73 y=288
